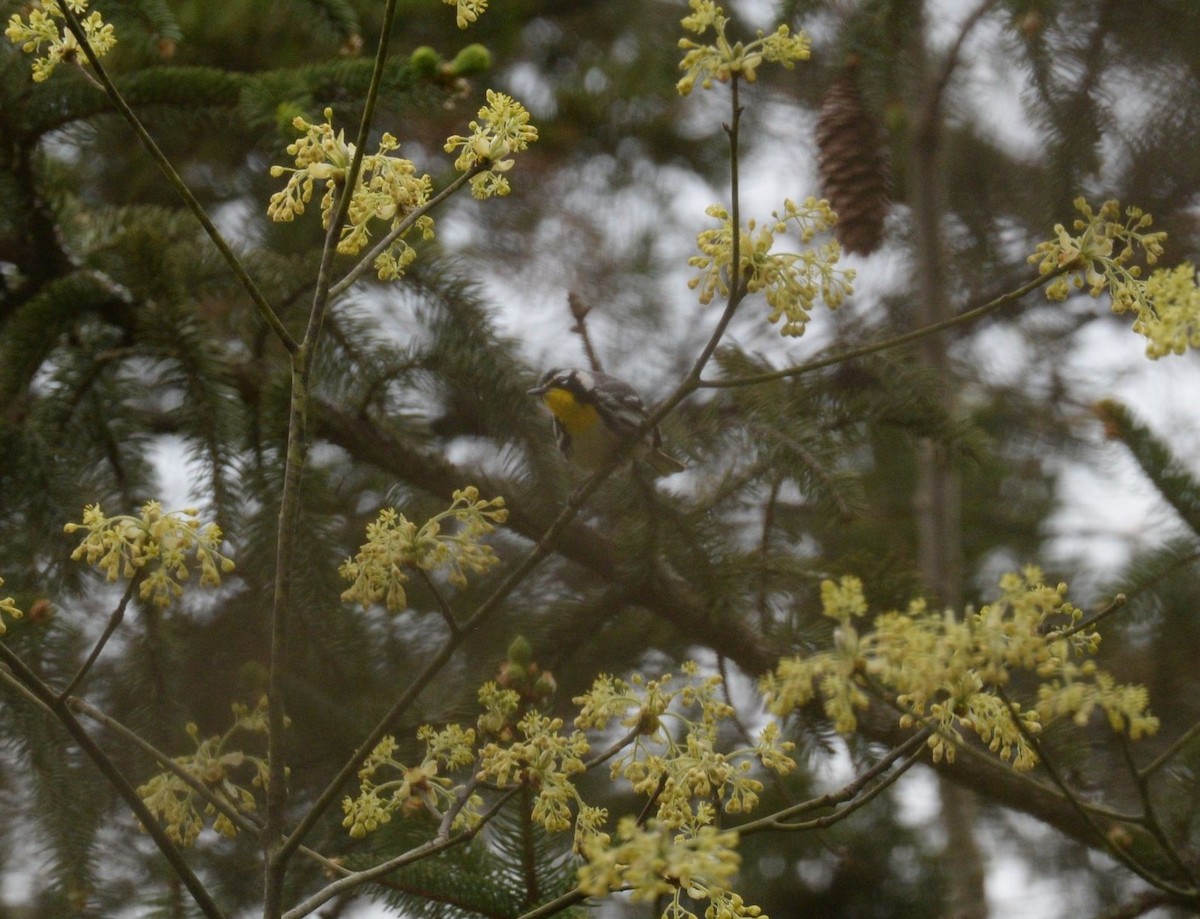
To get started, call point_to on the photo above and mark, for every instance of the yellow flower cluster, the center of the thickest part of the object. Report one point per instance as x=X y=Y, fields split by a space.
x=418 y=787
x=668 y=754
x=948 y=672
x=1174 y=324
x=1101 y=252
x=395 y=543
x=722 y=59
x=8 y=605
x=656 y=862
x=543 y=758
x=791 y=282
x=161 y=548
x=467 y=10
x=46 y=26
x=388 y=190
x=674 y=753
x=503 y=129
x=177 y=804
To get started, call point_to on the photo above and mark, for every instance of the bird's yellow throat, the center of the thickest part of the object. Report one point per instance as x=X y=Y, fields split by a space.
x=575 y=416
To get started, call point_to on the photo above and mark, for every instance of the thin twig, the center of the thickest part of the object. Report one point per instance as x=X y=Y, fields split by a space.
x=336 y=290
x=1163 y=758
x=913 y=749
x=444 y=606
x=887 y=344
x=20 y=673
x=1151 y=821
x=579 y=312
x=1109 y=844
x=176 y=182
x=113 y=621
x=425 y=850
x=1113 y=605
x=279 y=845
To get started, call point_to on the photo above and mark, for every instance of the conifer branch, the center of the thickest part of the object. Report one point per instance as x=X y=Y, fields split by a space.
x=47 y=697
x=1117 y=852
x=510 y=583
x=1150 y=815
x=425 y=850
x=176 y=182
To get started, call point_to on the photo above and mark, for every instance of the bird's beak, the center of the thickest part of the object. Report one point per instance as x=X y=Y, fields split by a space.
x=537 y=391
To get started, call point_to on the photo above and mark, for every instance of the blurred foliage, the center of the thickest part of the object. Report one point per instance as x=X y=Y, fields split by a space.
x=127 y=350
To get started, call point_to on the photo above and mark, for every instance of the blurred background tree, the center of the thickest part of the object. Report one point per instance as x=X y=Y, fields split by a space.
x=951 y=137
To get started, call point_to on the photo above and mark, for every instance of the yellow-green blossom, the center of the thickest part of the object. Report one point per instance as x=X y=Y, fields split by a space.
x=8 y=605
x=1101 y=251
x=46 y=26
x=673 y=756
x=387 y=785
x=947 y=672
x=791 y=282
x=181 y=809
x=1174 y=324
x=388 y=190
x=655 y=861
x=160 y=548
x=503 y=129
x=545 y=759
x=722 y=59
x=467 y=10
x=394 y=543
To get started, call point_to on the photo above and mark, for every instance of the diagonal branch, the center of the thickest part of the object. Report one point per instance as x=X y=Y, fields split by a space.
x=32 y=685
x=176 y=182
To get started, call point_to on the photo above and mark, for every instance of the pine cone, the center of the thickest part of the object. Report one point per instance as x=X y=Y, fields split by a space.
x=854 y=173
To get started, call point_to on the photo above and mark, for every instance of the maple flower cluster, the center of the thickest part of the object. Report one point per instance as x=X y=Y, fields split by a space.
x=45 y=35
x=467 y=11
x=791 y=282
x=419 y=787
x=949 y=673
x=388 y=190
x=160 y=548
x=503 y=129
x=394 y=543
x=668 y=754
x=722 y=59
x=181 y=809
x=1102 y=251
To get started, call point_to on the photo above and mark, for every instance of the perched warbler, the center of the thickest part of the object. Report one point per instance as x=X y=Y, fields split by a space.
x=594 y=414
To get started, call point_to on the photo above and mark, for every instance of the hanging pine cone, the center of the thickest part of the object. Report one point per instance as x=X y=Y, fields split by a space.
x=854 y=173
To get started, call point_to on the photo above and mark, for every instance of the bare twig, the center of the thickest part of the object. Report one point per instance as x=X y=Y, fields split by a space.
x=911 y=751
x=579 y=312
x=176 y=182
x=114 y=620
x=444 y=606
x=896 y=341
x=21 y=674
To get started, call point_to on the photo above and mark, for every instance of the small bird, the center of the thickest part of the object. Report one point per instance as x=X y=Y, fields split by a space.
x=594 y=414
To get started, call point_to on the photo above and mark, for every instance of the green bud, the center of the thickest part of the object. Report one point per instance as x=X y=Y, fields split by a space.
x=520 y=652
x=424 y=61
x=471 y=59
